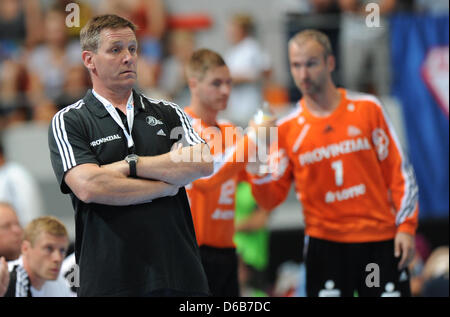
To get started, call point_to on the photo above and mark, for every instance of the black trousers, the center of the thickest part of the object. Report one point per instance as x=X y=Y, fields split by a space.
x=354 y=269
x=221 y=268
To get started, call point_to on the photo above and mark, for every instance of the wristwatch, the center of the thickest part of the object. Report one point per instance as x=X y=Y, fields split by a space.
x=132 y=160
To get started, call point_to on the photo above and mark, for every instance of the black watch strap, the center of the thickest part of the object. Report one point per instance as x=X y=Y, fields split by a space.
x=132 y=164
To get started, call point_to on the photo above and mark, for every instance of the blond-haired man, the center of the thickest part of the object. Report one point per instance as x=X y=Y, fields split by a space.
x=36 y=272
x=212 y=198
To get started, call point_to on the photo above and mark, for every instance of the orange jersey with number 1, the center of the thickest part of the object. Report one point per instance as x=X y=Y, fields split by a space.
x=350 y=174
x=212 y=198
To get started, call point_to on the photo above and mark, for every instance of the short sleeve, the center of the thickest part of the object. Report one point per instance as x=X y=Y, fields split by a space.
x=69 y=146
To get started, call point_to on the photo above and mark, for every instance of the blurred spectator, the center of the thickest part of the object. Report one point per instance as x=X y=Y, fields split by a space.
x=364 y=49
x=48 y=64
x=404 y=5
x=181 y=45
x=294 y=6
x=432 y=6
x=19 y=188
x=249 y=65
x=150 y=18
x=14 y=105
x=18 y=21
x=436 y=273
x=148 y=80
x=37 y=272
x=86 y=11
x=422 y=253
x=75 y=85
x=11 y=233
x=4 y=276
x=324 y=6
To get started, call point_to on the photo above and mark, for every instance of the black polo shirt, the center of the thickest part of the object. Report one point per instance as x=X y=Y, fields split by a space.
x=128 y=250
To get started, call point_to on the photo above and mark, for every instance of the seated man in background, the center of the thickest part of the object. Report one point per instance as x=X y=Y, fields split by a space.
x=11 y=232
x=36 y=272
x=436 y=273
x=4 y=276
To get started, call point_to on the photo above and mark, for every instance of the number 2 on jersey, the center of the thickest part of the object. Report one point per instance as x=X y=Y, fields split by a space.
x=338 y=172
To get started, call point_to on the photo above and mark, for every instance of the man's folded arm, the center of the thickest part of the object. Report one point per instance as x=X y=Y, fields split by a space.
x=109 y=186
x=180 y=166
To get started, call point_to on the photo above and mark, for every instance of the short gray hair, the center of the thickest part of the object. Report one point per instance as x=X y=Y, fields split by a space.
x=315 y=35
x=90 y=33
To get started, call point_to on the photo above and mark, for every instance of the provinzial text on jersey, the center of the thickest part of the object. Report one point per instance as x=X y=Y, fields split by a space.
x=334 y=150
x=105 y=139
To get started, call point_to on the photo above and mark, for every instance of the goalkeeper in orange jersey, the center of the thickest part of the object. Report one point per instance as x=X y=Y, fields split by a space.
x=355 y=183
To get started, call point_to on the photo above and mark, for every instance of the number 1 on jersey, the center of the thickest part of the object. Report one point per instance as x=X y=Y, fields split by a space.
x=338 y=172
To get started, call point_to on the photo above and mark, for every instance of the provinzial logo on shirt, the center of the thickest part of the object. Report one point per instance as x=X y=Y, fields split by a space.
x=105 y=139
x=333 y=150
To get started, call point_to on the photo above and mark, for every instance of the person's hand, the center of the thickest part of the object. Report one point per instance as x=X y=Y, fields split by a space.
x=4 y=276
x=404 y=246
x=176 y=146
x=261 y=130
